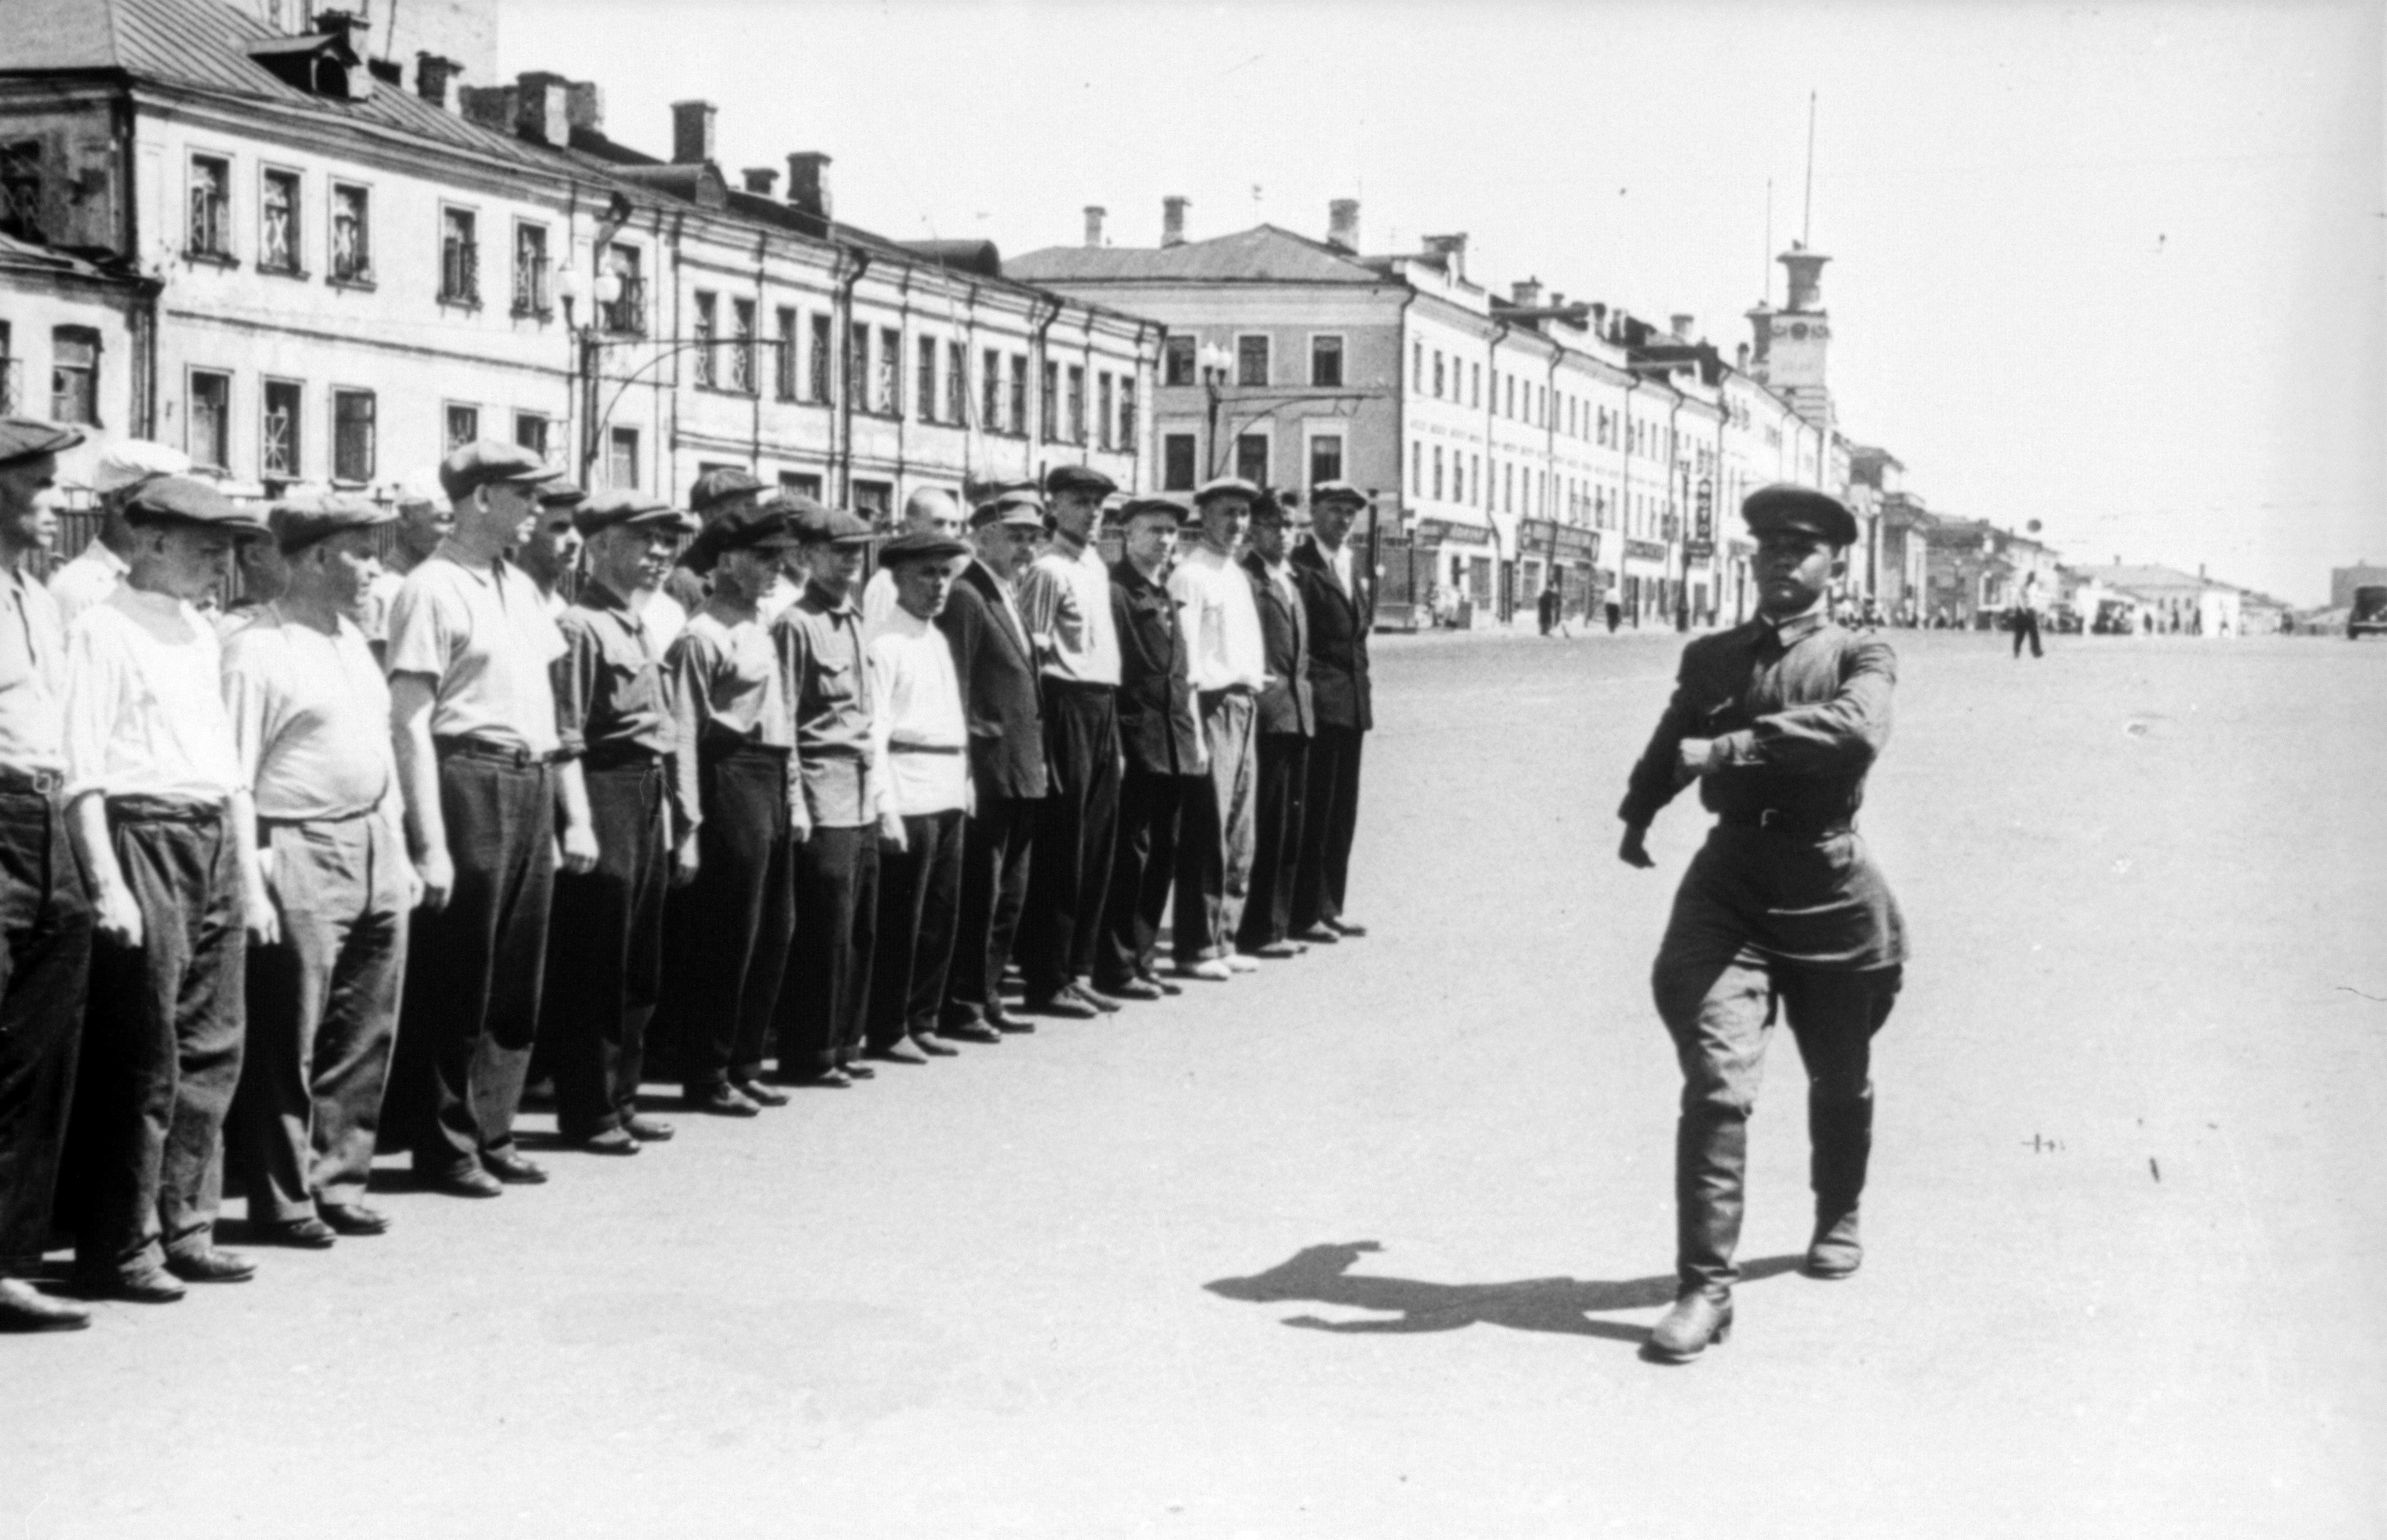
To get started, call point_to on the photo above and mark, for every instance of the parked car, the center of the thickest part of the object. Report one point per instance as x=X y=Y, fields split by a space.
x=2064 y=618
x=2368 y=613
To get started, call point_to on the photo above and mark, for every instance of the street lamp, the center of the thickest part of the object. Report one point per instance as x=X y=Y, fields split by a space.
x=1214 y=361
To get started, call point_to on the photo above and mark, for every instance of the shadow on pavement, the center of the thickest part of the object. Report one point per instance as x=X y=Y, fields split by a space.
x=1323 y=1274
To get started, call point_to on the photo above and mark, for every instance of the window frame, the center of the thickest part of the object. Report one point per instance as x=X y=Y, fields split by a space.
x=534 y=296
x=704 y=337
x=1265 y=443
x=451 y=414
x=1169 y=443
x=219 y=459
x=925 y=351
x=616 y=437
x=221 y=253
x=460 y=276
x=1341 y=354
x=294 y=463
x=371 y=422
x=1176 y=351
x=295 y=241
x=59 y=337
x=1267 y=343
x=360 y=273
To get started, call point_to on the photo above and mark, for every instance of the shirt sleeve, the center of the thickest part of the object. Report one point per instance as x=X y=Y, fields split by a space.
x=1040 y=606
x=94 y=682
x=1651 y=784
x=422 y=629
x=890 y=696
x=248 y=697
x=688 y=668
x=574 y=676
x=1838 y=737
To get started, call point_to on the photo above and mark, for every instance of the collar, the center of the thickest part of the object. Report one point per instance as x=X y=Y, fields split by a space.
x=105 y=559
x=597 y=596
x=818 y=598
x=1798 y=628
x=491 y=572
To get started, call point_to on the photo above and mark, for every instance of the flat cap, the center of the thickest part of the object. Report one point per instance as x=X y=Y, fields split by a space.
x=920 y=546
x=135 y=460
x=1801 y=508
x=1019 y=505
x=24 y=437
x=492 y=463
x=720 y=485
x=561 y=493
x=1336 y=491
x=1223 y=487
x=419 y=487
x=605 y=509
x=188 y=500
x=816 y=525
x=1268 y=507
x=1078 y=478
x=299 y=522
x=1136 y=508
x=761 y=529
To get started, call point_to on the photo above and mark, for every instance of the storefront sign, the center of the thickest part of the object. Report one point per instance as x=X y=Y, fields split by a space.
x=1442 y=532
x=1699 y=550
x=1644 y=551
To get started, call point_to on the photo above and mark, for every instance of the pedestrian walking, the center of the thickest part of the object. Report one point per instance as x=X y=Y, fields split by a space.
x=311 y=718
x=2026 y=616
x=1616 y=613
x=1547 y=608
x=1065 y=598
x=491 y=814
x=1342 y=610
x=996 y=664
x=1229 y=663
x=1160 y=736
x=1283 y=720
x=44 y=913
x=164 y=825
x=1779 y=721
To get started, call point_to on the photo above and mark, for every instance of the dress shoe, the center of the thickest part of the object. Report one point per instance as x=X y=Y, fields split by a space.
x=1237 y=963
x=824 y=1077
x=1834 y=1252
x=1154 y=979
x=512 y=1167
x=722 y=1100
x=149 y=1286
x=1066 y=1005
x=970 y=1032
x=897 y=1052
x=1012 y=1026
x=1211 y=969
x=22 y=1309
x=611 y=1142
x=1132 y=989
x=759 y=1094
x=857 y=1070
x=211 y=1266
x=1344 y=927
x=1695 y=1321
x=1317 y=935
x=465 y=1181
x=308 y=1235
x=1095 y=998
x=1277 y=952
x=647 y=1130
x=353 y=1218
x=926 y=1043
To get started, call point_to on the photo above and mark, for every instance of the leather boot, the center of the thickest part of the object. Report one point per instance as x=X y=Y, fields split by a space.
x=1839 y=1136
x=1835 y=1251
x=1710 y=1152
x=1697 y=1319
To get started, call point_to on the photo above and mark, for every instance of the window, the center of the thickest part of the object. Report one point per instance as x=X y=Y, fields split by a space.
x=1437 y=374
x=957 y=382
x=1457 y=477
x=463 y=427
x=857 y=365
x=1475 y=477
x=277 y=225
x=1048 y=409
x=890 y=371
x=351 y=234
x=802 y=483
x=1416 y=469
x=209 y=425
x=277 y=439
x=875 y=502
x=1104 y=404
x=1176 y=361
x=531 y=432
x=1326 y=360
x=20 y=190
x=1417 y=368
x=990 y=387
x=1509 y=488
x=209 y=232
x=530 y=271
x=459 y=259
x=1177 y=462
x=1252 y=458
x=924 y=380
x=627 y=314
x=820 y=370
x=1076 y=403
x=74 y=375
x=1252 y=360
x=353 y=448
x=1474 y=384
x=622 y=459
x=9 y=366
x=706 y=332
x=1326 y=458
x=1020 y=394
x=742 y=350
x=1510 y=409
x=783 y=366
x=1127 y=414
x=1437 y=472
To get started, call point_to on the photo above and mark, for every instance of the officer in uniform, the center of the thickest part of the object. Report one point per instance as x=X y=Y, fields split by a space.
x=1777 y=721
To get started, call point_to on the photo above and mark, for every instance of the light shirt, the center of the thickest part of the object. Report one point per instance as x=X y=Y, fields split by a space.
x=1222 y=623
x=723 y=686
x=87 y=580
x=380 y=594
x=877 y=602
x=33 y=677
x=918 y=730
x=784 y=592
x=1280 y=574
x=145 y=712
x=484 y=633
x=665 y=618
x=1338 y=562
x=1066 y=602
x=311 y=717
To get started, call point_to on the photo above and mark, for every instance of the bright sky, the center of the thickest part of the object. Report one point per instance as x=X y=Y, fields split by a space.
x=2118 y=269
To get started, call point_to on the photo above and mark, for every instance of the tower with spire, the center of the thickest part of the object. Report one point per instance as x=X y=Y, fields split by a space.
x=1788 y=345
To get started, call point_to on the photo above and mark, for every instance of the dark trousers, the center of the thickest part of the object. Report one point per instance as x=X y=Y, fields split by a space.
x=2025 y=624
x=997 y=845
x=322 y=1014
x=162 y=1045
x=474 y=969
x=1280 y=785
x=726 y=934
x=1720 y=1016
x=827 y=994
x=1143 y=869
x=1073 y=834
x=605 y=953
x=919 y=899
x=45 y=965
x=1330 y=816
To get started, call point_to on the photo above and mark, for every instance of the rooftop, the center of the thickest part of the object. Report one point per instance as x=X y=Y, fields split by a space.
x=1263 y=254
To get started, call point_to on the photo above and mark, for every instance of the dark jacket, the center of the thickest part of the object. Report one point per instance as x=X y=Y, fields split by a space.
x=1159 y=729
x=998 y=680
x=1285 y=706
x=1338 y=639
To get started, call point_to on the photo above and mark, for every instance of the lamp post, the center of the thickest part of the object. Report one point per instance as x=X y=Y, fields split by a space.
x=1215 y=362
x=572 y=286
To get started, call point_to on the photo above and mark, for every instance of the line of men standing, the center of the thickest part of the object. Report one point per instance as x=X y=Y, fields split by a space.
x=439 y=836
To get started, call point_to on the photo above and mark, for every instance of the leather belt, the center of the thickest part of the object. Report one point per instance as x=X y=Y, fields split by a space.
x=34 y=783
x=620 y=759
x=924 y=747
x=501 y=753
x=1776 y=820
x=163 y=810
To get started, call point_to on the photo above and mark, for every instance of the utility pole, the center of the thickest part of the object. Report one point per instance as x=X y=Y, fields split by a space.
x=1807 y=217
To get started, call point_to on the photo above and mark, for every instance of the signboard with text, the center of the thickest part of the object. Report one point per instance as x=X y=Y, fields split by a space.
x=1442 y=532
x=1644 y=551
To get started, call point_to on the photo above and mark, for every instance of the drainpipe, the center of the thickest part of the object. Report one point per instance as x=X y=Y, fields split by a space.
x=1551 y=454
x=1402 y=384
x=846 y=278
x=1036 y=355
x=902 y=412
x=1673 y=477
x=1625 y=495
x=754 y=357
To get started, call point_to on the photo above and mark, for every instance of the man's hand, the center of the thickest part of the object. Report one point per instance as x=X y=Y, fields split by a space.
x=1632 y=851
x=118 y=917
x=580 y=850
x=683 y=861
x=437 y=875
x=1691 y=757
x=800 y=821
x=890 y=831
x=264 y=921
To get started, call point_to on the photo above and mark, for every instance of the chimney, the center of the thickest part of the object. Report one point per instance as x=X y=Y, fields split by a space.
x=492 y=107
x=1599 y=315
x=1740 y=358
x=1453 y=249
x=1557 y=300
x=760 y=179
x=432 y=75
x=1527 y=293
x=692 y=133
x=1680 y=324
x=543 y=107
x=1172 y=220
x=1094 y=212
x=1342 y=224
x=584 y=104
x=808 y=183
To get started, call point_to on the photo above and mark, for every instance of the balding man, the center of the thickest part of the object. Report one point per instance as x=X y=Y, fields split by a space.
x=932 y=511
x=423 y=520
x=93 y=576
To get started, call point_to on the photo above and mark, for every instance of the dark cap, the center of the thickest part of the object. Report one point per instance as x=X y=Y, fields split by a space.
x=301 y=522
x=1135 y=508
x=920 y=546
x=605 y=509
x=1018 y=505
x=1078 y=478
x=491 y=463
x=187 y=500
x=1266 y=508
x=561 y=494
x=1336 y=491
x=751 y=529
x=1801 y=508
x=24 y=437
x=720 y=485
x=1223 y=486
x=832 y=526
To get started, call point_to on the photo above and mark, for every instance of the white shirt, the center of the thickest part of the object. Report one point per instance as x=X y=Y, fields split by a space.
x=33 y=677
x=1222 y=625
x=87 y=580
x=145 y=711
x=917 y=705
x=1067 y=601
x=311 y=717
x=877 y=600
x=663 y=619
x=484 y=633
